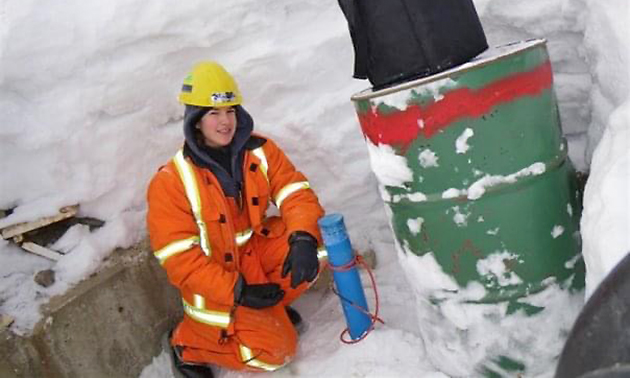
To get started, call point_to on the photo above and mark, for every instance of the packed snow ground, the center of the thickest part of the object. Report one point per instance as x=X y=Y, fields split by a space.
x=87 y=98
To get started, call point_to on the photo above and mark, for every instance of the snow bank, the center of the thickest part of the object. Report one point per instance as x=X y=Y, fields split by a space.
x=606 y=217
x=88 y=99
x=562 y=23
x=607 y=49
x=87 y=96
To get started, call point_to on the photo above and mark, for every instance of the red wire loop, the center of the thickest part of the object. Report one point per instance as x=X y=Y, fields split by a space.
x=374 y=317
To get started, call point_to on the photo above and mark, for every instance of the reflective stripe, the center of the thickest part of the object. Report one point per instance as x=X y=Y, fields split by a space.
x=322 y=253
x=187 y=176
x=264 y=167
x=249 y=360
x=322 y=257
x=175 y=248
x=243 y=237
x=290 y=189
x=200 y=302
x=213 y=318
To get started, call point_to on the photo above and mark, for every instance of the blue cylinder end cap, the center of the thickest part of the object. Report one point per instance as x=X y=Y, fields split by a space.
x=331 y=220
x=333 y=228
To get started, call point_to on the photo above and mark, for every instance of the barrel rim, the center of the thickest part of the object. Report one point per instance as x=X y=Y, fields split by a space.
x=529 y=44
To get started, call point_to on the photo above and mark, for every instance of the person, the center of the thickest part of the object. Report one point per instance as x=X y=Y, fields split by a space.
x=237 y=269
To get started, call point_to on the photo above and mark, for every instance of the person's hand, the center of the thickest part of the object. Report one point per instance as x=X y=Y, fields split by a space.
x=259 y=295
x=302 y=258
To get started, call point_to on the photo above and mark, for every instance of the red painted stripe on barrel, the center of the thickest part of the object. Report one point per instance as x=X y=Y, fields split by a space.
x=402 y=128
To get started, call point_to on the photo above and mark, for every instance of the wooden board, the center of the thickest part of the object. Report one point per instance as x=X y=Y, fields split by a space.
x=21 y=228
x=41 y=251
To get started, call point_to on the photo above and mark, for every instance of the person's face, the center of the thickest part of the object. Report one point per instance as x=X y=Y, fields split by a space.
x=218 y=126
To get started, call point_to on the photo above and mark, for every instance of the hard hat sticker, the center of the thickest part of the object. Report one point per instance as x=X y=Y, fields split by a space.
x=223 y=97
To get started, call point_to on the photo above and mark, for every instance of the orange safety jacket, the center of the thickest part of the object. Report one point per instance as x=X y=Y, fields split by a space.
x=195 y=240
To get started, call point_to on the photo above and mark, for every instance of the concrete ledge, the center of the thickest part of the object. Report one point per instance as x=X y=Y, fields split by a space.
x=109 y=325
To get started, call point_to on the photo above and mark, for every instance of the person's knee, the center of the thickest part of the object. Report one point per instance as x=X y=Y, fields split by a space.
x=266 y=336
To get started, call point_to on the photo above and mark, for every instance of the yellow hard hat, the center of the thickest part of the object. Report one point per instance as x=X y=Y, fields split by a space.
x=210 y=85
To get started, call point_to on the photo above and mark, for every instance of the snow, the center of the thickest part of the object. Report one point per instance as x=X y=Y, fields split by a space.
x=453 y=193
x=415 y=225
x=399 y=99
x=396 y=100
x=428 y=158
x=606 y=218
x=606 y=221
x=436 y=87
x=413 y=197
x=460 y=218
x=87 y=98
x=557 y=231
x=494 y=231
x=461 y=143
x=390 y=168
x=479 y=187
x=494 y=265
x=458 y=332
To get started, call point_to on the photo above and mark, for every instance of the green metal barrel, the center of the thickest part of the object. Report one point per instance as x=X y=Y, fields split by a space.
x=476 y=172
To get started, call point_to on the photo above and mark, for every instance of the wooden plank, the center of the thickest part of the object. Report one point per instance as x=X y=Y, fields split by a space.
x=21 y=228
x=41 y=251
x=5 y=321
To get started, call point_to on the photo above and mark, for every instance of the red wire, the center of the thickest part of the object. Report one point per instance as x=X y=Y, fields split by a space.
x=375 y=318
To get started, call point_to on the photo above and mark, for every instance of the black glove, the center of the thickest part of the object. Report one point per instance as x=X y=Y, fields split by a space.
x=302 y=258
x=257 y=295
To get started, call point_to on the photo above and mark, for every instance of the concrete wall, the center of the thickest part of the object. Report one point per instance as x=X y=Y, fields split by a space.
x=109 y=325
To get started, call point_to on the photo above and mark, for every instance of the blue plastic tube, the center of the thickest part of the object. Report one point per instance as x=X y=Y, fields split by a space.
x=348 y=282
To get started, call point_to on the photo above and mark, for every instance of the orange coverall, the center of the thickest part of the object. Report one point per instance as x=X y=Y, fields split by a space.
x=214 y=329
